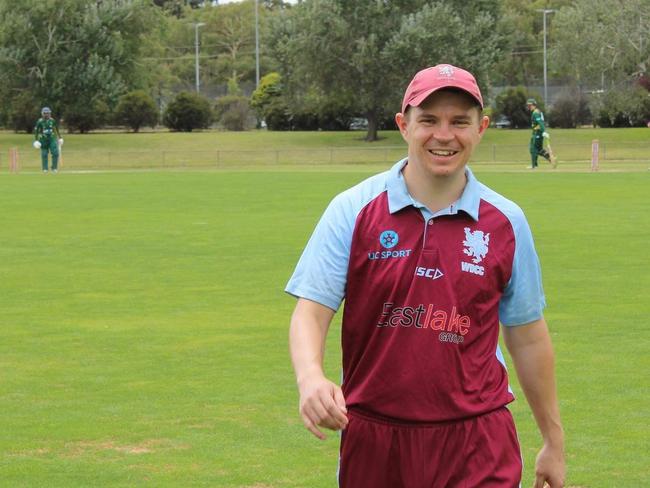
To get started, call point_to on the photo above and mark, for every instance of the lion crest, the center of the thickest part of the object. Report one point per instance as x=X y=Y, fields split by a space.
x=476 y=244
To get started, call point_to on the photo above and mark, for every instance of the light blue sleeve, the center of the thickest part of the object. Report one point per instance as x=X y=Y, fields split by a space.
x=523 y=300
x=321 y=273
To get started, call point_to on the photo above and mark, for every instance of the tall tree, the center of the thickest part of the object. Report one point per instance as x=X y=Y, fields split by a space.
x=71 y=53
x=602 y=42
x=363 y=52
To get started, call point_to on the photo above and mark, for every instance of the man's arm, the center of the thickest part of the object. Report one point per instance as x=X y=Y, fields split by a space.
x=321 y=401
x=532 y=354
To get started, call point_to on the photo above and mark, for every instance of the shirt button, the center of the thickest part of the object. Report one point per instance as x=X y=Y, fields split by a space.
x=430 y=221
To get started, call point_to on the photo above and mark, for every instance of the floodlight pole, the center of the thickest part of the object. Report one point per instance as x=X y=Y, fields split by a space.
x=196 y=53
x=257 y=47
x=544 y=12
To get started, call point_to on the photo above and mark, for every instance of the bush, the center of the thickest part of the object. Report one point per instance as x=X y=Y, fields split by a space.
x=23 y=113
x=233 y=112
x=270 y=105
x=83 y=117
x=188 y=111
x=570 y=110
x=512 y=104
x=136 y=109
x=628 y=107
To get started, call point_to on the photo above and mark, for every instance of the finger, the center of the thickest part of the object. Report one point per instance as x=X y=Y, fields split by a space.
x=336 y=420
x=539 y=481
x=311 y=427
x=340 y=400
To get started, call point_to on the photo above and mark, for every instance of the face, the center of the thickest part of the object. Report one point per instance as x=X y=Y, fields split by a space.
x=530 y=107
x=442 y=133
x=46 y=115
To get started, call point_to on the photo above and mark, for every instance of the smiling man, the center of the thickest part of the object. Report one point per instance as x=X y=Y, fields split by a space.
x=429 y=262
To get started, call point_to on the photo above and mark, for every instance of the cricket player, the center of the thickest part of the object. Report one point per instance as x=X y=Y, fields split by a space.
x=429 y=262
x=539 y=133
x=48 y=139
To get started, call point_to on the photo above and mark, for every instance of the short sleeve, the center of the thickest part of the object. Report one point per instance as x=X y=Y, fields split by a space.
x=321 y=272
x=523 y=299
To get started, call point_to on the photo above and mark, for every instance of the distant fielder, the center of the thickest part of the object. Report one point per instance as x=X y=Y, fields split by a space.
x=48 y=139
x=539 y=134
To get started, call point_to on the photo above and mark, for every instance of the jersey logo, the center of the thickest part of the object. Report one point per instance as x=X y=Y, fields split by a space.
x=476 y=246
x=431 y=273
x=388 y=239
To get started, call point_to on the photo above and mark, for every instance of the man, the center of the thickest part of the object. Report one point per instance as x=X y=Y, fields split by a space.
x=539 y=133
x=429 y=261
x=48 y=139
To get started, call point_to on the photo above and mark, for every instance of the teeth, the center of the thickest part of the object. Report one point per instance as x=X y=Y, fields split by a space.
x=443 y=153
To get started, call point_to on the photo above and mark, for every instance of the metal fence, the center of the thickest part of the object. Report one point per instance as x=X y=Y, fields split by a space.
x=628 y=155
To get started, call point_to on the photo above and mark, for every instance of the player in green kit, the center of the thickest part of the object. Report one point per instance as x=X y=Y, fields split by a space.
x=539 y=132
x=48 y=139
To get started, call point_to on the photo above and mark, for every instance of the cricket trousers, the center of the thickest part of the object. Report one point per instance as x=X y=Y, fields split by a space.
x=479 y=452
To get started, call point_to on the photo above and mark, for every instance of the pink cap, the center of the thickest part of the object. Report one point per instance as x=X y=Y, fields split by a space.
x=429 y=80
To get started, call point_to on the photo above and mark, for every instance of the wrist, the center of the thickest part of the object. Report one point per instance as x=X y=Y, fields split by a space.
x=308 y=375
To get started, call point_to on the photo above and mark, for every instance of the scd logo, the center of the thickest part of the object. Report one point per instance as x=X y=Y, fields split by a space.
x=388 y=239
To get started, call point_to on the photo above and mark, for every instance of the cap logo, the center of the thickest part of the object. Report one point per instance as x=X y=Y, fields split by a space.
x=446 y=71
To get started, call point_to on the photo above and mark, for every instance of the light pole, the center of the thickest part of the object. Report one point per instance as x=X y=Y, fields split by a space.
x=196 y=52
x=257 y=48
x=544 y=12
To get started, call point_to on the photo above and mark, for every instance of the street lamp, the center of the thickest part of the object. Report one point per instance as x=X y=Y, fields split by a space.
x=196 y=52
x=545 y=11
x=257 y=48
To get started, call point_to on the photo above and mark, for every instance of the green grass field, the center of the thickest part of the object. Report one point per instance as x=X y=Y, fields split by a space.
x=620 y=149
x=143 y=326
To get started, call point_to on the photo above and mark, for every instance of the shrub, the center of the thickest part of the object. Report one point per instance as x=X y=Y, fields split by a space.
x=233 y=112
x=84 y=117
x=188 y=111
x=23 y=113
x=628 y=107
x=270 y=105
x=136 y=109
x=570 y=110
x=512 y=104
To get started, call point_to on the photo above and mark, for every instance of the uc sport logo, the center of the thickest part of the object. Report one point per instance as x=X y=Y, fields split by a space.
x=388 y=240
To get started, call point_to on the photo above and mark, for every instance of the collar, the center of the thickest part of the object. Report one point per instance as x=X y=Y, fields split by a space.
x=399 y=197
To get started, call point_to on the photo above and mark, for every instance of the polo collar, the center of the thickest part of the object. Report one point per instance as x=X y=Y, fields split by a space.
x=399 y=197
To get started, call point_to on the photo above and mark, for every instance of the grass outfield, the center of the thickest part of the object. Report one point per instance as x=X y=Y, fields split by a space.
x=620 y=149
x=143 y=337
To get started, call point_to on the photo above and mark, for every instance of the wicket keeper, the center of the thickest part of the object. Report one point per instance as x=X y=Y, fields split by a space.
x=48 y=139
x=539 y=133
x=429 y=262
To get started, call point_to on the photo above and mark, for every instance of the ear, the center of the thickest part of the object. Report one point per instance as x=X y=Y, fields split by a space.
x=483 y=125
x=400 y=120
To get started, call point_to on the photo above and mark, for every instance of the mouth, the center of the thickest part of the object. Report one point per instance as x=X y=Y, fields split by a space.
x=444 y=153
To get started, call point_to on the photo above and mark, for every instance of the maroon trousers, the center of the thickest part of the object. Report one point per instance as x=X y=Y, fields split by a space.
x=480 y=452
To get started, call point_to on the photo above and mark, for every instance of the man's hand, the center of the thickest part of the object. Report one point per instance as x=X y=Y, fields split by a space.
x=321 y=405
x=549 y=468
x=61 y=142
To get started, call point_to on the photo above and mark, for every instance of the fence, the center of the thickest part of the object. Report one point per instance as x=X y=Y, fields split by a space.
x=612 y=155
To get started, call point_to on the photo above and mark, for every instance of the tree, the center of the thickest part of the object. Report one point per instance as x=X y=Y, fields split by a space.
x=136 y=109
x=362 y=53
x=188 y=111
x=72 y=54
x=602 y=43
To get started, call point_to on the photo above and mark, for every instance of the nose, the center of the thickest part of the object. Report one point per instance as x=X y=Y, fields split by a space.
x=443 y=133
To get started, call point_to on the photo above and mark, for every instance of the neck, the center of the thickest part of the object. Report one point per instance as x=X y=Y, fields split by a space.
x=434 y=191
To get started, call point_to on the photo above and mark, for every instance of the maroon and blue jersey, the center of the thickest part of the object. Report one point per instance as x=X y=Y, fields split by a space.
x=424 y=295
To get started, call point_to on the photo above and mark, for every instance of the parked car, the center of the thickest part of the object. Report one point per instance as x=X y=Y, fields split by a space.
x=359 y=123
x=502 y=122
